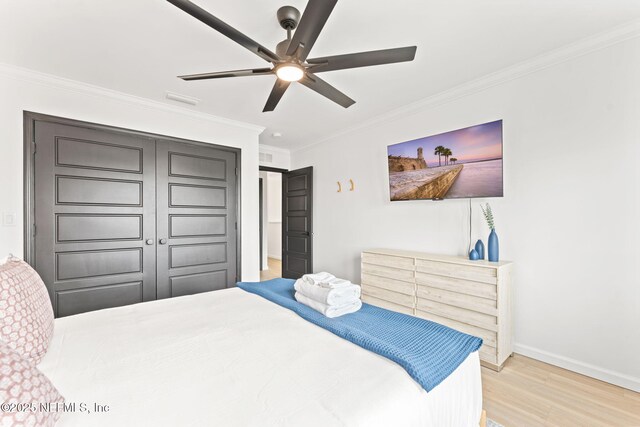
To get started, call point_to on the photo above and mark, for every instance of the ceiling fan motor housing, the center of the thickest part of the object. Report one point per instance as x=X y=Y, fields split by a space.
x=288 y=17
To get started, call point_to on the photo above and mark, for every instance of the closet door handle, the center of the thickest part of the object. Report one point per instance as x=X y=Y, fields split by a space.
x=163 y=241
x=149 y=241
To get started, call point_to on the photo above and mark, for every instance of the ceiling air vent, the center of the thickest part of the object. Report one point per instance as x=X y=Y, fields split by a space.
x=182 y=98
x=266 y=157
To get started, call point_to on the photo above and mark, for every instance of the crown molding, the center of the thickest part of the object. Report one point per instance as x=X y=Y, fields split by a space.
x=35 y=77
x=554 y=57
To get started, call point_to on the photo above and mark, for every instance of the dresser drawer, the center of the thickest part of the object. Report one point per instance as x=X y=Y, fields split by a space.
x=388 y=260
x=488 y=337
x=469 y=302
x=394 y=297
x=386 y=304
x=389 y=284
x=461 y=315
x=462 y=286
x=388 y=272
x=477 y=274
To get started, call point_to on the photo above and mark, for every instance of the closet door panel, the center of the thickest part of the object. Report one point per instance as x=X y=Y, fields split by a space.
x=196 y=218
x=94 y=216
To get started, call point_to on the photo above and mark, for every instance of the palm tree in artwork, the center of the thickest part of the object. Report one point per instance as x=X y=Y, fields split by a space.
x=453 y=160
x=446 y=153
x=439 y=150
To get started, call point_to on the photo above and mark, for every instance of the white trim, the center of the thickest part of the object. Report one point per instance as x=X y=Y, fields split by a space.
x=278 y=257
x=602 y=374
x=549 y=59
x=49 y=80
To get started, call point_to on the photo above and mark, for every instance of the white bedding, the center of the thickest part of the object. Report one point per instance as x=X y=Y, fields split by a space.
x=230 y=358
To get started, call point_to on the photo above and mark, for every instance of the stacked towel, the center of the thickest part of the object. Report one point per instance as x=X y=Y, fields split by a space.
x=330 y=311
x=327 y=294
x=318 y=278
x=325 y=280
x=330 y=296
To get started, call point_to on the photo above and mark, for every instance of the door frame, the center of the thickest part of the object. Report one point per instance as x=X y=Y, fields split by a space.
x=261 y=216
x=281 y=172
x=29 y=147
x=284 y=173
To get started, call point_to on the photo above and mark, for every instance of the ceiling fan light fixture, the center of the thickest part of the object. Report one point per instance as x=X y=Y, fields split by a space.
x=290 y=72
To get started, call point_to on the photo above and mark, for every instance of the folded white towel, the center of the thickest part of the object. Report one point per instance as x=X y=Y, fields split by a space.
x=330 y=311
x=337 y=296
x=317 y=278
x=335 y=284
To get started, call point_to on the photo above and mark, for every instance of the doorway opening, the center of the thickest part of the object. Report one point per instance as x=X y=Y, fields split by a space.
x=286 y=222
x=270 y=224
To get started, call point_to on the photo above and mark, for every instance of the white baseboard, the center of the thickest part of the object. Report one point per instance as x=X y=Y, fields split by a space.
x=279 y=256
x=606 y=375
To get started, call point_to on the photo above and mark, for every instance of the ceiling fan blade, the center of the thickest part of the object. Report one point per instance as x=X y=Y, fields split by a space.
x=224 y=28
x=362 y=59
x=222 y=74
x=315 y=83
x=313 y=19
x=276 y=94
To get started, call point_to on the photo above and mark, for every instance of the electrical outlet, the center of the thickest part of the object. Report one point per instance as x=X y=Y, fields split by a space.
x=9 y=219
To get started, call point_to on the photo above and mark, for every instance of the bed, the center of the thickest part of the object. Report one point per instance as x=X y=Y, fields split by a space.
x=232 y=358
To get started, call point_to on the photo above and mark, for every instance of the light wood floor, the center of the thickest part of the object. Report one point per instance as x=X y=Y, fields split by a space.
x=531 y=393
x=274 y=271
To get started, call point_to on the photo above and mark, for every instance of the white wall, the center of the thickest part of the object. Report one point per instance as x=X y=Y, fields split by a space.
x=570 y=218
x=274 y=210
x=25 y=90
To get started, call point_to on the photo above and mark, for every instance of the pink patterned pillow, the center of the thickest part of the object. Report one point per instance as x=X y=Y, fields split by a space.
x=28 y=398
x=26 y=315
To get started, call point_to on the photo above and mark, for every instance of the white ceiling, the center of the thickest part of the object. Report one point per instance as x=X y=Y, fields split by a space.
x=140 y=46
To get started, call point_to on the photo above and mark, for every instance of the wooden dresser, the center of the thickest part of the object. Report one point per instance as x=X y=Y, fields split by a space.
x=470 y=296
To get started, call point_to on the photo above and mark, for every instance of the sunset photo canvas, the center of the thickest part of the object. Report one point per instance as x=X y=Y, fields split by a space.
x=462 y=163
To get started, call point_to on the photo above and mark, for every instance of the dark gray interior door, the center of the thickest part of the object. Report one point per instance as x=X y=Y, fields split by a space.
x=297 y=223
x=197 y=218
x=94 y=199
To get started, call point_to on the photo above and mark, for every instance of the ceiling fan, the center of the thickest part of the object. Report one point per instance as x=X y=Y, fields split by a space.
x=289 y=62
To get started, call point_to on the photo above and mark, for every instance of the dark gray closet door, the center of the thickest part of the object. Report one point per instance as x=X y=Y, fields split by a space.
x=95 y=217
x=197 y=214
x=297 y=217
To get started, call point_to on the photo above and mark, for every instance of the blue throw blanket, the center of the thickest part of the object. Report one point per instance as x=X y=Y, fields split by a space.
x=428 y=351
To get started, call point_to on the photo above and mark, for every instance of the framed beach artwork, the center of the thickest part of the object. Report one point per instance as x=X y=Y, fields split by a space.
x=462 y=163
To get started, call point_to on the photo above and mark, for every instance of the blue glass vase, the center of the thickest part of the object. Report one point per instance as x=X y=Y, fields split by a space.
x=493 y=247
x=473 y=255
x=480 y=249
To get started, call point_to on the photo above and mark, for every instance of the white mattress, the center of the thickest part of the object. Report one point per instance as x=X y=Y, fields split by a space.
x=230 y=358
